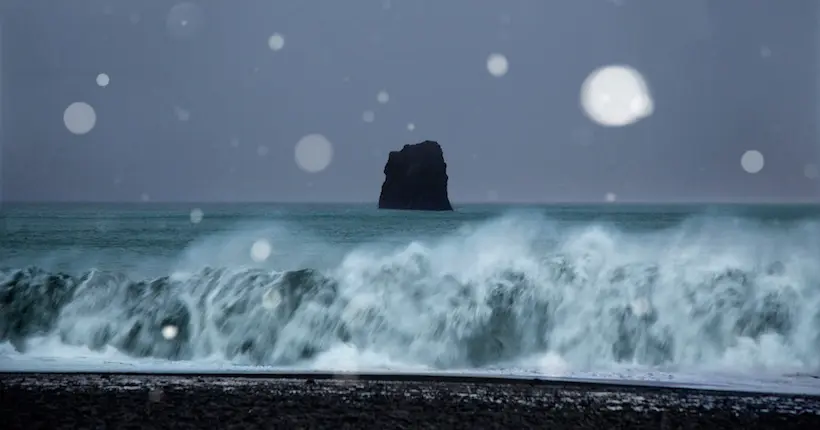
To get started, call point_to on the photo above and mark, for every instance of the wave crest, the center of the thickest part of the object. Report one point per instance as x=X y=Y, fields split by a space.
x=493 y=295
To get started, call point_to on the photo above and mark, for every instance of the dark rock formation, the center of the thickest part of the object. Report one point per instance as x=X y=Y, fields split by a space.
x=415 y=178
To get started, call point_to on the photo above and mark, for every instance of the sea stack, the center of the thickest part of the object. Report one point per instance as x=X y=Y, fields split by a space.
x=415 y=178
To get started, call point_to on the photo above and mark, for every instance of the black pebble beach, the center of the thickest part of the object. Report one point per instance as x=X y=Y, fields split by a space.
x=119 y=401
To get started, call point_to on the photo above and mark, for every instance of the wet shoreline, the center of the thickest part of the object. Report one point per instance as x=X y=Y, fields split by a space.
x=384 y=401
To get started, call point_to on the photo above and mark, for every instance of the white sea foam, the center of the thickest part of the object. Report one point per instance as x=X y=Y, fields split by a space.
x=524 y=295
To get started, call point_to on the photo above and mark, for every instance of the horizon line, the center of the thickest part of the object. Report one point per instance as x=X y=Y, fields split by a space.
x=375 y=203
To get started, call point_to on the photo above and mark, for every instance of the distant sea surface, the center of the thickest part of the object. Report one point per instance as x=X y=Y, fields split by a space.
x=31 y=231
x=547 y=289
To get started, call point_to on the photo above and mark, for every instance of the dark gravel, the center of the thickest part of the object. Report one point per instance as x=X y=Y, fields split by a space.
x=83 y=401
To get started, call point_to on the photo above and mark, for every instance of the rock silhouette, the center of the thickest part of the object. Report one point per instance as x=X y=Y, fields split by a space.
x=415 y=178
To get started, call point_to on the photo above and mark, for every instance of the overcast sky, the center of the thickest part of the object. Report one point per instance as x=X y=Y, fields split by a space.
x=201 y=106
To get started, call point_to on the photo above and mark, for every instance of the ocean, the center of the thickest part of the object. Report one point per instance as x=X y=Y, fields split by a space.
x=695 y=294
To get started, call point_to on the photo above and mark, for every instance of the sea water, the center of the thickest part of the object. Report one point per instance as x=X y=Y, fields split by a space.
x=708 y=295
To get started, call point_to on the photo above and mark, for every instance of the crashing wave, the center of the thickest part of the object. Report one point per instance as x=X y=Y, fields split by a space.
x=593 y=297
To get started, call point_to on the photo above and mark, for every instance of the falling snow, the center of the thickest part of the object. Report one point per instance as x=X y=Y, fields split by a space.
x=185 y=21
x=261 y=250
x=169 y=332
x=752 y=161
x=197 y=215
x=497 y=65
x=811 y=171
x=276 y=42
x=103 y=80
x=79 y=118
x=313 y=153
x=182 y=114
x=615 y=96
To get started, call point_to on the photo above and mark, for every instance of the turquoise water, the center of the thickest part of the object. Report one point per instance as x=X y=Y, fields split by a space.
x=165 y=229
x=64 y=233
x=589 y=287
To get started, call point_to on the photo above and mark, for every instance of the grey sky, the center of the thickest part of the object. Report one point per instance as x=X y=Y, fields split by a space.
x=726 y=76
